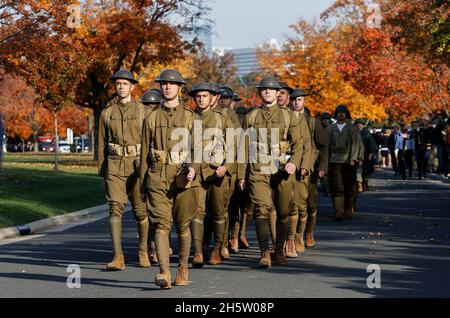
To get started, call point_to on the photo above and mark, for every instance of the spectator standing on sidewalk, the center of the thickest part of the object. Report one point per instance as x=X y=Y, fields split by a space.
x=404 y=149
x=391 y=146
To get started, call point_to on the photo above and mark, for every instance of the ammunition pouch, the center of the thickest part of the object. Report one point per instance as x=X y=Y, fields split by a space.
x=124 y=151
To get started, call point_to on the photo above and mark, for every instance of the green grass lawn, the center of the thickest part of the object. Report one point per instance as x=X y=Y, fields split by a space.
x=30 y=190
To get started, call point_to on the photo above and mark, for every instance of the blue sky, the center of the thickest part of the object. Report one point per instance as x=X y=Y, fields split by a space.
x=246 y=23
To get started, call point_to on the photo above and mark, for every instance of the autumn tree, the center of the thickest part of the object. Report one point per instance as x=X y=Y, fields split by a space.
x=23 y=118
x=133 y=34
x=375 y=59
x=309 y=60
x=104 y=35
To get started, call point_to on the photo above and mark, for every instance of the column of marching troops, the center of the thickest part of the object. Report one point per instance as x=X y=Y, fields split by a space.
x=206 y=200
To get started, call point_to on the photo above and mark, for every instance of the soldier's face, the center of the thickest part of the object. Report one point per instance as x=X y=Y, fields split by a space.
x=124 y=88
x=225 y=102
x=152 y=105
x=170 y=90
x=215 y=100
x=203 y=100
x=233 y=105
x=283 y=97
x=299 y=103
x=268 y=95
x=341 y=116
x=325 y=122
x=360 y=126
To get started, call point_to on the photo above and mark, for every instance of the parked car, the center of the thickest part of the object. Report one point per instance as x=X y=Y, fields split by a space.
x=64 y=147
x=47 y=146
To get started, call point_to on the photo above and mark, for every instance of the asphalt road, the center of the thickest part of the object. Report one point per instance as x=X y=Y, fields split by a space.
x=401 y=226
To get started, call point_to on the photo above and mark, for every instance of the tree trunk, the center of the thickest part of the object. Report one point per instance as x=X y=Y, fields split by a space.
x=35 y=128
x=55 y=168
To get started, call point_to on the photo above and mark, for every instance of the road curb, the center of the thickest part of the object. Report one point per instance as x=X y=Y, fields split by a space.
x=37 y=226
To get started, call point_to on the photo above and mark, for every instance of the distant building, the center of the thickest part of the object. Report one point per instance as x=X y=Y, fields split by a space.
x=203 y=33
x=245 y=61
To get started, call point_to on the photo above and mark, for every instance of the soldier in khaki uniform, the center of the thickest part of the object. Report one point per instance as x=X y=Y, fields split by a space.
x=214 y=174
x=326 y=124
x=119 y=146
x=298 y=213
x=344 y=150
x=152 y=99
x=226 y=100
x=283 y=99
x=169 y=176
x=240 y=205
x=318 y=166
x=272 y=166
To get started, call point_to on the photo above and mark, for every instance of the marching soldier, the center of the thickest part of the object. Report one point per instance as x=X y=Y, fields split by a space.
x=226 y=97
x=240 y=205
x=226 y=100
x=119 y=146
x=236 y=100
x=283 y=100
x=271 y=181
x=169 y=177
x=298 y=216
x=344 y=152
x=326 y=124
x=152 y=99
x=368 y=149
x=326 y=120
x=214 y=175
x=318 y=167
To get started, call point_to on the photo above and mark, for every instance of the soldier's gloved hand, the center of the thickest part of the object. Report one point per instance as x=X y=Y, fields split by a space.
x=290 y=168
x=191 y=175
x=353 y=163
x=322 y=174
x=220 y=172
x=360 y=163
x=241 y=184
x=143 y=197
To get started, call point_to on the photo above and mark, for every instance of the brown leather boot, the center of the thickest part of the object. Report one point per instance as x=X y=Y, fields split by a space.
x=144 y=261
x=198 y=262
x=117 y=264
x=243 y=243
x=153 y=258
x=234 y=246
x=265 y=261
x=225 y=253
x=310 y=242
x=163 y=280
x=310 y=226
x=290 y=249
x=280 y=258
x=359 y=187
x=143 y=229
x=299 y=243
x=215 y=257
x=182 y=277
